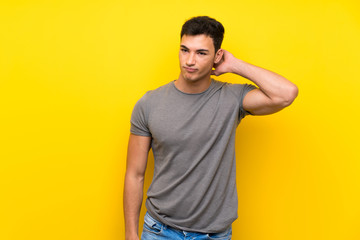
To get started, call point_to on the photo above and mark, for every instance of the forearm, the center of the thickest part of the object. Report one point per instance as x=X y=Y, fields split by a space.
x=133 y=196
x=273 y=85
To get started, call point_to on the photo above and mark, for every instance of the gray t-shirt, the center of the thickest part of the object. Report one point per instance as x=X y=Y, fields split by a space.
x=193 y=142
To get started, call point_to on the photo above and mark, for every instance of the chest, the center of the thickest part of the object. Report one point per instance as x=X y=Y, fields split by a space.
x=191 y=119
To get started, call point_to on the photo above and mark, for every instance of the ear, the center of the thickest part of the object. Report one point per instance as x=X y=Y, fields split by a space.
x=218 y=56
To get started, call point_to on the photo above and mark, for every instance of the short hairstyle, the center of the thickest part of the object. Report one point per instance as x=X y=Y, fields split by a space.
x=204 y=25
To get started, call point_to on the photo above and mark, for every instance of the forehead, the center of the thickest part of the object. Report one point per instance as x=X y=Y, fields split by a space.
x=201 y=41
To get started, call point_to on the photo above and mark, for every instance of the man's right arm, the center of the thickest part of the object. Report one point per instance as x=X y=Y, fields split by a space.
x=137 y=155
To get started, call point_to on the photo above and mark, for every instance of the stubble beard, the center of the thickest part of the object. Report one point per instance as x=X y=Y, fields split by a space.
x=195 y=78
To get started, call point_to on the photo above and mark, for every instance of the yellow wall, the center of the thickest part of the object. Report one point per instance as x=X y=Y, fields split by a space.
x=71 y=72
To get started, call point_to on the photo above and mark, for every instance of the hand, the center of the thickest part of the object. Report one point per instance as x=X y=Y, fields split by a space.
x=225 y=65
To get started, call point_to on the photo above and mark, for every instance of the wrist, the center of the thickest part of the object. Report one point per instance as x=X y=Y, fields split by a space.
x=133 y=236
x=131 y=233
x=238 y=67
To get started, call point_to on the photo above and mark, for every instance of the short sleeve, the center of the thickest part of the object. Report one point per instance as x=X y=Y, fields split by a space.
x=241 y=90
x=139 y=118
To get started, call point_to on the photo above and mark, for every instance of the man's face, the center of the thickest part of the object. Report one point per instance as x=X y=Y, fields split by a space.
x=197 y=56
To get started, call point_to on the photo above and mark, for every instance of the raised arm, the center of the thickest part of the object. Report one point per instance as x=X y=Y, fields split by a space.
x=275 y=92
x=137 y=155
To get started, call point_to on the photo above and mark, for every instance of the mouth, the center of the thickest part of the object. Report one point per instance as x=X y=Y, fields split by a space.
x=191 y=70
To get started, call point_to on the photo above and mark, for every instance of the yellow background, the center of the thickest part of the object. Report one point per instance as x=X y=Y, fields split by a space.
x=71 y=72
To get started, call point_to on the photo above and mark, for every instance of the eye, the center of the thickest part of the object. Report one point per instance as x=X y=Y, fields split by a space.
x=183 y=50
x=202 y=53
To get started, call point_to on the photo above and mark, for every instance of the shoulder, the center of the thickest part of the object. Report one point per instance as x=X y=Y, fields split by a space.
x=235 y=88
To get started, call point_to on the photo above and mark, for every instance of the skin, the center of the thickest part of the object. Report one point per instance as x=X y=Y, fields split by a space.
x=137 y=155
x=197 y=57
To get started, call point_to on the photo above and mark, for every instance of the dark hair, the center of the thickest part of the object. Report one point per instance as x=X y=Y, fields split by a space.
x=204 y=25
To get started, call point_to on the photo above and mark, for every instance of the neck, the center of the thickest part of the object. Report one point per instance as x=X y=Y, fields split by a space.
x=192 y=86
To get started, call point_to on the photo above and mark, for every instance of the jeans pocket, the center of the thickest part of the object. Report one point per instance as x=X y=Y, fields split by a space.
x=225 y=235
x=151 y=225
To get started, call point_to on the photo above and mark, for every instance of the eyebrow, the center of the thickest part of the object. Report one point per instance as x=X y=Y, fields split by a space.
x=199 y=50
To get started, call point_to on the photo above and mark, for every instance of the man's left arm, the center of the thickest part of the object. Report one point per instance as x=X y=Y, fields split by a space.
x=275 y=92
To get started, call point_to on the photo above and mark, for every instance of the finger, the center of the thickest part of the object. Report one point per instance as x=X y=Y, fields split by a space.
x=214 y=72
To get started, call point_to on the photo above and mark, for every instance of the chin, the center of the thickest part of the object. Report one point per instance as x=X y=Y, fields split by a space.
x=192 y=79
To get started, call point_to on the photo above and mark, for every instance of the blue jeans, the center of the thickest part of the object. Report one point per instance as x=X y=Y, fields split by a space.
x=155 y=230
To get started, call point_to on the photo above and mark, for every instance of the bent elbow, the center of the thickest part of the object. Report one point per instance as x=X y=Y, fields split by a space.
x=292 y=94
x=289 y=96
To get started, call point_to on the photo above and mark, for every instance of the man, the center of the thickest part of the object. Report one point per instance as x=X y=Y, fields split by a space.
x=190 y=124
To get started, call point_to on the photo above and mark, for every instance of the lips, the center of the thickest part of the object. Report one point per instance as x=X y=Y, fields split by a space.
x=191 y=70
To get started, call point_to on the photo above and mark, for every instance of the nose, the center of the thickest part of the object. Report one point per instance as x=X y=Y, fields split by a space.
x=190 y=61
